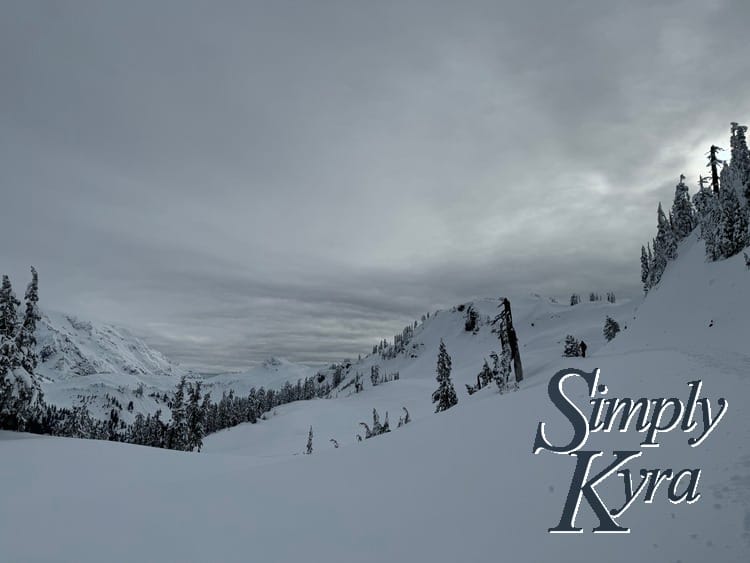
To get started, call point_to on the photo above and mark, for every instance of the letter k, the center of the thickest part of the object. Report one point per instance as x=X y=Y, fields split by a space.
x=579 y=486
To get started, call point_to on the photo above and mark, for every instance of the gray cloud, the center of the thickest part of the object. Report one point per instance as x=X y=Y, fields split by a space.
x=240 y=179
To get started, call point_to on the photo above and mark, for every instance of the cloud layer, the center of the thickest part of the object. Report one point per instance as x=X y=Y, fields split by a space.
x=242 y=179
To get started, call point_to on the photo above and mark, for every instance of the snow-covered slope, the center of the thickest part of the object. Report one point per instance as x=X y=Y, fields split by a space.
x=271 y=374
x=106 y=367
x=70 y=347
x=462 y=485
x=541 y=325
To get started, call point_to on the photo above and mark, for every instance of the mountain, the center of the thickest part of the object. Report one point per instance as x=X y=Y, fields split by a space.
x=107 y=367
x=270 y=374
x=70 y=347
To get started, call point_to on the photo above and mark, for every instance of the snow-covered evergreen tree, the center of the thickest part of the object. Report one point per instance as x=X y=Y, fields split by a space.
x=26 y=339
x=572 y=347
x=733 y=230
x=708 y=212
x=195 y=418
x=740 y=160
x=8 y=309
x=445 y=394
x=472 y=319
x=665 y=248
x=683 y=218
x=611 y=328
x=309 y=447
x=486 y=375
x=20 y=390
x=177 y=434
x=377 y=428
x=645 y=270
x=503 y=370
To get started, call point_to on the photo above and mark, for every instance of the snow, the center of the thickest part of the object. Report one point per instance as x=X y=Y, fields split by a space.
x=462 y=485
x=97 y=364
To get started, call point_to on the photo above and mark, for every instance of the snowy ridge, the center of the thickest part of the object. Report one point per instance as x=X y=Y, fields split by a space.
x=271 y=374
x=71 y=347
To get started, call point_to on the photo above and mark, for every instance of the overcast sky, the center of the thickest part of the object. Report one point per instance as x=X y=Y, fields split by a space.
x=235 y=180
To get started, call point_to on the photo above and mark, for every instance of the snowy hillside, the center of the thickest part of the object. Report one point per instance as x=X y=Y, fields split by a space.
x=462 y=485
x=541 y=324
x=101 y=366
x=70 y=347
x=271 y=374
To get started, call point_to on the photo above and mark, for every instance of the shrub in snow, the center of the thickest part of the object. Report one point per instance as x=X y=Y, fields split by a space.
x=611 y=328
x=572 y=347
x=472 y=319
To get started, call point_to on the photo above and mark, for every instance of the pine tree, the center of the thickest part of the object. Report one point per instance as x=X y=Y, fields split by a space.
x=502 y=371
x=8 y=310
x=740 y=160
x=486 y=375
x=26 y=339
x=611 y=328
x=309 y=448
x=472 y=317
x=665 y=248
x=377 y=428
x=177 y=434
x=733 y=235
x=575 y=299
x=195 y=418
x=20 y=390
x=708 y=213
x=645 y=275
x=445 y=394
x=572 y=347
x=683 y=219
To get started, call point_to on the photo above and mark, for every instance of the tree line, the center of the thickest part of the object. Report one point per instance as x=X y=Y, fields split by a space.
x=720 y=210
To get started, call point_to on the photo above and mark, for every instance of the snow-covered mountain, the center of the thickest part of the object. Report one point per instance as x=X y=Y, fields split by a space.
x=71 y=347
x=107 y=367
x=270 y=374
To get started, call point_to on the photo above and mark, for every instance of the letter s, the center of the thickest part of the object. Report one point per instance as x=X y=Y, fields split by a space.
x=569 y=410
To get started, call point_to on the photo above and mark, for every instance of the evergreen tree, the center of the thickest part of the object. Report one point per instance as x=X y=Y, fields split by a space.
x=472 y=318
x=740 y=160
x=20 y=390
x=572 y=347
x=502 y=371
x=683 y=219
x=26 y=339
x=196 y=418
x=665 y=248
x=575 y=299
x=377 y=428
x=375 y=375
x=611 y=328
x=445 y=394
x=8 y=310
x=486 y=375
x=309 y=448
x=733 y=235
x=177 y=434
x=645 y=270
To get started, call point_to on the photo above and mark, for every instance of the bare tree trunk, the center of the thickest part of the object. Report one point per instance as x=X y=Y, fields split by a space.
x=512 y=340
x=714 y=173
